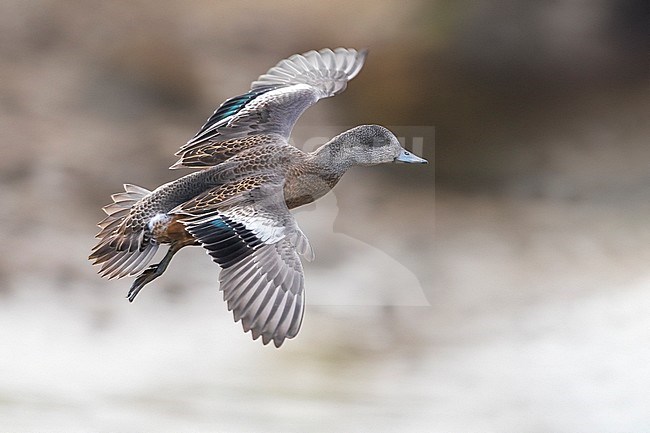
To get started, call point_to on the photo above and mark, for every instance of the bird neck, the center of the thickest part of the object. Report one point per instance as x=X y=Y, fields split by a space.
x=334 y=156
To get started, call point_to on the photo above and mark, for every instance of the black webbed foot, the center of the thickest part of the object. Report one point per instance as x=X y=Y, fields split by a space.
x=152 y=272
x=147 y=276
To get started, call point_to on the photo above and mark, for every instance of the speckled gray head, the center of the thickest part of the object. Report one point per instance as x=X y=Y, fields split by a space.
x=373 y=144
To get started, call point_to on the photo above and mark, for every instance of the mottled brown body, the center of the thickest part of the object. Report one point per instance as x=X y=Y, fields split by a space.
x=159 y=216
x=306 y=178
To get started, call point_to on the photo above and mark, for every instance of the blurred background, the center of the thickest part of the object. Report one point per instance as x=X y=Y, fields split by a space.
x=502 y=288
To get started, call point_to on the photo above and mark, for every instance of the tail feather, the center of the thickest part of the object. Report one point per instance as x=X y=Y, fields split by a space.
x=135 y=189
x=124 y=263
x=122 y=250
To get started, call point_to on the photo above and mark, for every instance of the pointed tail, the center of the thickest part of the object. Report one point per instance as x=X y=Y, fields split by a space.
x=125 y=247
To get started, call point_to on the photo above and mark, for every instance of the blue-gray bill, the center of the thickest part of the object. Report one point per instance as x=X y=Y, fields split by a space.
x=406 y=156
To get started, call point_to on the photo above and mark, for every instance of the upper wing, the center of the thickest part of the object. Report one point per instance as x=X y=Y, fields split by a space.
x=271 y=108
x=255 y=239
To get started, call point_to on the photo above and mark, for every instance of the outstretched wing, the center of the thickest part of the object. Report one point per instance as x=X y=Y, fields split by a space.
x=268 y=112
x=256 y=241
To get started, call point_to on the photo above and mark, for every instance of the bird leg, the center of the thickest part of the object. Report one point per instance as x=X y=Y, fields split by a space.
x=153 y=272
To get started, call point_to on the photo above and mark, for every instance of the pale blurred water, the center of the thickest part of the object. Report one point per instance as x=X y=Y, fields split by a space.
x=498 y=350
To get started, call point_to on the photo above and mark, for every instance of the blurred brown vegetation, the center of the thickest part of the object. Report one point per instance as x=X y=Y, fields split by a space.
x=497 y=79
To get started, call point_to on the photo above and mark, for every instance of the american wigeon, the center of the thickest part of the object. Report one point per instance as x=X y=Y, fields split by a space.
x=237 y=206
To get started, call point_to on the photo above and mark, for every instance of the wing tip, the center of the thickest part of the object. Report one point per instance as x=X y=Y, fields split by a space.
x=178 y=164
x=326 y=69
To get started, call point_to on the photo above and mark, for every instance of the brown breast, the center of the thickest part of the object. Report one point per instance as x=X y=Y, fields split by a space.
x=301 y=189
x=174 y=232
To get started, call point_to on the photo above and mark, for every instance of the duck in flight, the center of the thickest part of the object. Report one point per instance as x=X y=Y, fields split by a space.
x=237 y=204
